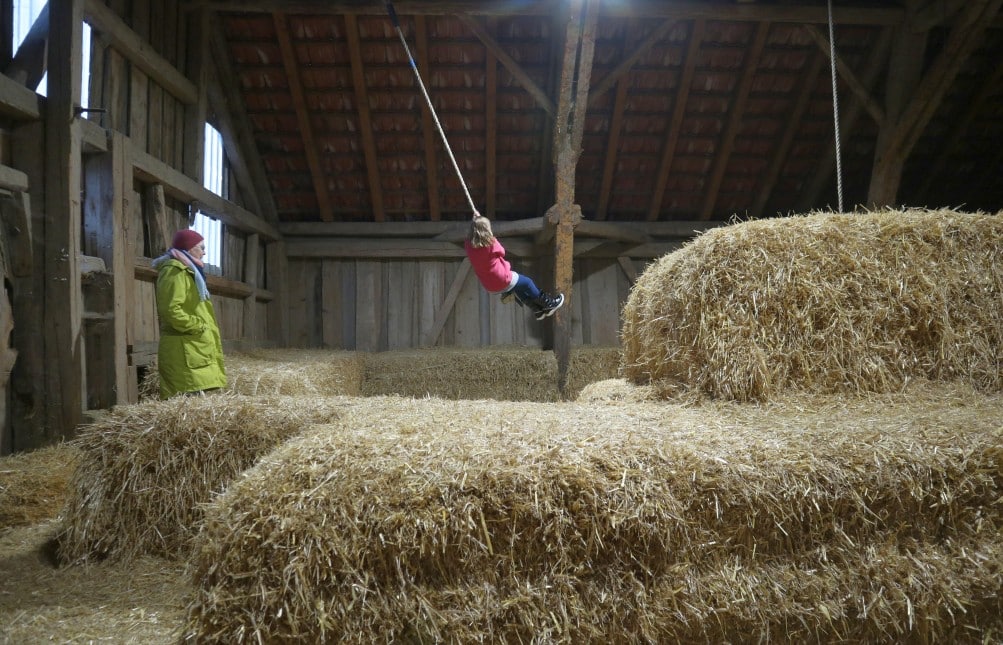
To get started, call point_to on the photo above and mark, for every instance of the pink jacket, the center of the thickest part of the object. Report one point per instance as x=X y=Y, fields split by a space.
x=490 y=265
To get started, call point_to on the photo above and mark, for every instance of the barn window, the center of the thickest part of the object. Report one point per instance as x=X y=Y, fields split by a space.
x=26 y=12
x=210 y=228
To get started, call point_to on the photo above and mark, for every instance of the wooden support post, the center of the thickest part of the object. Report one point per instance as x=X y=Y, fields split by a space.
x=63 y=307
x=579 y=46
x=106 y=236
x=28 y=399
x=195 y=114
x=904 y=127
x=253 y=244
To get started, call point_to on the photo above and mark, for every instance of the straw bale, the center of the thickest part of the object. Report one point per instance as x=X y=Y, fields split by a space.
x=823 y=303
x=33 y=485
x=497 y=373
x=145 y=470
x=294 y=372
x=457 y=521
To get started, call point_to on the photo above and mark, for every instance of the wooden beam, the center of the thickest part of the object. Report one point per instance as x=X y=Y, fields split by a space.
x=491 y=131
x=365 y=120
x=428 y=129
x=31 y=60
x=508 y=62
x=18 y=102
x=854 y=83
x=370 y=248
x=966 y=34
x=737 y=111
x=933 y=14
x=290 y=63
x=151 y=170
x=627 y=62
x=847 y=122
x=613 y=137
x=12 y=179
x=105 y=221
x=235 y=126
x=138 y=51
x=676 y=120
x=678 y=9
x=781 y=153
x=62 y=295
x=193 y=154
x=446 y=308
x=954 y=137
x=628 y=268
x=579 y=47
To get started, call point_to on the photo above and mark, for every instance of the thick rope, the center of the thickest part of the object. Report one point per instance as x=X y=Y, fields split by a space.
x=428 y=100
x=835 y=112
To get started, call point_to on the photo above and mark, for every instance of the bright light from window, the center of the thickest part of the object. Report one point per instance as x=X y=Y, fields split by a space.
x=212 y=229
x=25 y=14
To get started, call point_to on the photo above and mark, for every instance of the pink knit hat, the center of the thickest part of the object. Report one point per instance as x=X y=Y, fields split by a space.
x=186 y=239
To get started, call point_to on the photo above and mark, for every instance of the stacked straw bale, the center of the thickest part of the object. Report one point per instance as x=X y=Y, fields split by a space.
x=823 y=303
x=459 y=521
x=145 y=470
x=293 y=372
x=499 y=373
x=33 y=485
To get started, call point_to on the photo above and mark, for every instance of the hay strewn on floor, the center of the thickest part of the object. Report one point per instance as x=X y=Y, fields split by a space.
x=33 y=485
x=142 y=602
x=505 y=374
x=823 y=303
x=454 y=521
x=145 y=470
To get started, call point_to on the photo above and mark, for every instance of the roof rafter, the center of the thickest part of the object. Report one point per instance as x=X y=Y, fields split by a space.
x=291 y=65
x=734 y=119
x=676 y=121
x=428 y=126
x=613 y=140
x=365 y=118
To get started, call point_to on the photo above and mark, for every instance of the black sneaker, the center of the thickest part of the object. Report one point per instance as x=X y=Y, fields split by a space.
x=553 y=303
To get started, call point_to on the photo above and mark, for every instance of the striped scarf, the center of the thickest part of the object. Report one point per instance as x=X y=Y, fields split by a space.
x=184 y=258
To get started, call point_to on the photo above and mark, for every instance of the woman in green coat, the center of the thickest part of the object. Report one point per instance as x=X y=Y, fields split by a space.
x=190 y=355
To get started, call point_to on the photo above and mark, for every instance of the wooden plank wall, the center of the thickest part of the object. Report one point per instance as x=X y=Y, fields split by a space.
x=380 y=305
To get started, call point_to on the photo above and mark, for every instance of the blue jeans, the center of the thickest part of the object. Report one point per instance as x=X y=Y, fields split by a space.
x=525 y=289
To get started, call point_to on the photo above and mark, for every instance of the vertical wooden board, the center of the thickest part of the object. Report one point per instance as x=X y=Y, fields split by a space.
x=298 y=293
x=331 y=304
x=466 y=315
x=261 y=322
x=146 y=324
x=138 y=81
x=234 y=252
x=368 y=305
x=502 y=320
x=603 y=312
x=401 y=304
x=431 y=291
x=349 y=286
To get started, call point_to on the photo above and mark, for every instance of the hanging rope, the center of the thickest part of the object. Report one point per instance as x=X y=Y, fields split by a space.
x=835 y=112
x=431 y=108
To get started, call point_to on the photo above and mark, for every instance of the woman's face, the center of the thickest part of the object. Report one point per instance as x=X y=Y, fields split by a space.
x=197 y=251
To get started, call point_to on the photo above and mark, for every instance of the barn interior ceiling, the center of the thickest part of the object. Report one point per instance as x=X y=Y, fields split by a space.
x=695 y=110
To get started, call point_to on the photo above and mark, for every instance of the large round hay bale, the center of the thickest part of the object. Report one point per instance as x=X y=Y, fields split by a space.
x=144 y=471
x=413 y=520
x=824 y=302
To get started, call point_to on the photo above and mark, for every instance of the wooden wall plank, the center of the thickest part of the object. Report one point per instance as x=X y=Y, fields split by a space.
x=369 y=319
x=402 y=315
x=467 y=315
x=332 y=303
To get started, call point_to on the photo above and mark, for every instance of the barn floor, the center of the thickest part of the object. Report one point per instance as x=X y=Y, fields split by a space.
x=145 y=601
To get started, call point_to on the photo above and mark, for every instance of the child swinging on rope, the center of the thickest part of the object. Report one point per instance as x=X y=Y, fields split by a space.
x=487 y=257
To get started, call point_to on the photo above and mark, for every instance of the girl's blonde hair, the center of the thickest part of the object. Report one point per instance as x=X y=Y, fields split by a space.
x=480 y=232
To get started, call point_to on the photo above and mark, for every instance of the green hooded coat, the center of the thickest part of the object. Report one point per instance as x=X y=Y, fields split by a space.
x=190 y=355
